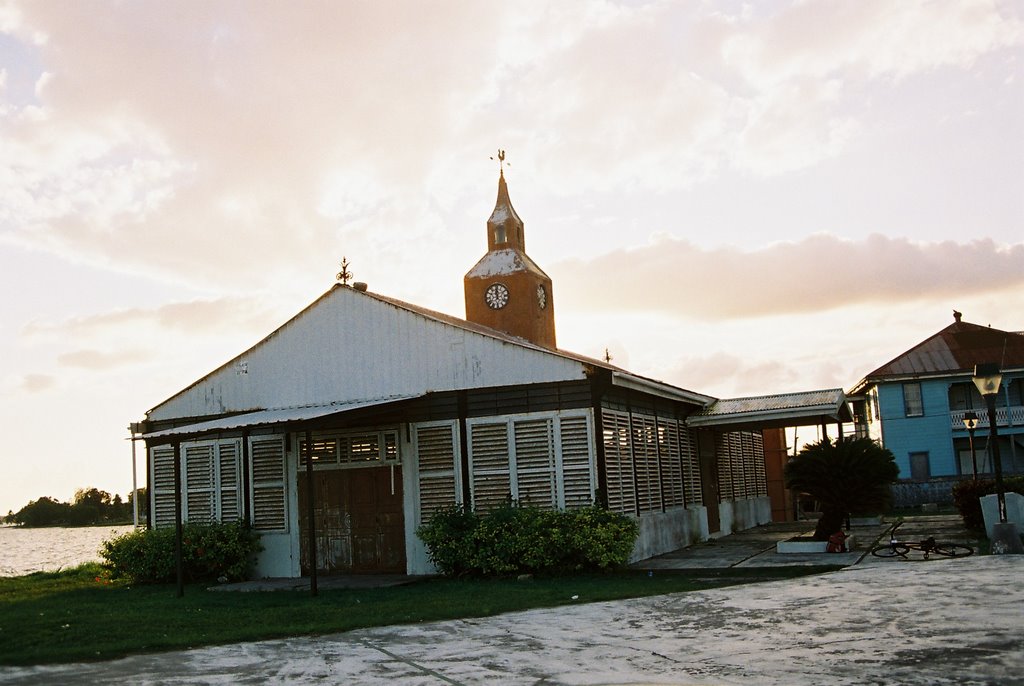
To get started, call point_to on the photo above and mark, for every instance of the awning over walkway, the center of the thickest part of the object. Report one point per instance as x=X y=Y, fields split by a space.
x=808 y=408
x=279 y=417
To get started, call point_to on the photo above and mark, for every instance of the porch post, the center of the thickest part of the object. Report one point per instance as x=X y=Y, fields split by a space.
x=310 y=510
x=178 y=567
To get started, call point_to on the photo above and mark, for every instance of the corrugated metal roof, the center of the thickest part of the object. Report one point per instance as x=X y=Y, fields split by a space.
x=314 y=375
x=955 y=349
x=283 y=415
x=780 y=410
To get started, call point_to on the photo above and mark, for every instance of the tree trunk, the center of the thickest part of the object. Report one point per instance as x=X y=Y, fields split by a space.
x=829 y=523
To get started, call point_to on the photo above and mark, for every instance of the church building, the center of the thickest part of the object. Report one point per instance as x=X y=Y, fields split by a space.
x=363 y=414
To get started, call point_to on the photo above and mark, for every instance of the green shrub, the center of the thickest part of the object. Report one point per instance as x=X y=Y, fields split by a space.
x=208 y=552
x=513 y=539
x=967 y=497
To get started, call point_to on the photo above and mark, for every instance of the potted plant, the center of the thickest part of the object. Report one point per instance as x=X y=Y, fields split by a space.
x=845 y=476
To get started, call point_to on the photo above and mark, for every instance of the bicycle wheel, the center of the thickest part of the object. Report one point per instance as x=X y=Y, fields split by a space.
x=890 y=550
x=952 y=550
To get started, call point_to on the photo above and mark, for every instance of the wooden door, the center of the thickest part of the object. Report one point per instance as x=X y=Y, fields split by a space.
x=360 y=527
x=709 y=479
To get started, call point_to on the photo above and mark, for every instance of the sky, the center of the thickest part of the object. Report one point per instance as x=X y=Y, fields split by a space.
x=739 y=199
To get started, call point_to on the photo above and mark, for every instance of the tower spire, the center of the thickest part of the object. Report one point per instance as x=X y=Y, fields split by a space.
x=506 y=290
x=504 y=227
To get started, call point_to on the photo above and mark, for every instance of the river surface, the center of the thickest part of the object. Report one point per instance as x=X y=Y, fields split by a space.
x=23 y=551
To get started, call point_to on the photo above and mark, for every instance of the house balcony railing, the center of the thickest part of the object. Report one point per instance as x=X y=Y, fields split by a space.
x=1006 y=417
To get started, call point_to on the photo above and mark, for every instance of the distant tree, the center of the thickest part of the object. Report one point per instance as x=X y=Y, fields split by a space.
x=89 y=506
x=848 y=476
x=44 y=511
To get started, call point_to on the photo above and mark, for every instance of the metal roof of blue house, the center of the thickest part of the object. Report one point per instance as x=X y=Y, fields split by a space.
x=954 y=350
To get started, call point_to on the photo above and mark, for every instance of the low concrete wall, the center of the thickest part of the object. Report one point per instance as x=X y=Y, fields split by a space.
x=914 y=493
x=663 y=532
x=1014 y=510
x=739 y=515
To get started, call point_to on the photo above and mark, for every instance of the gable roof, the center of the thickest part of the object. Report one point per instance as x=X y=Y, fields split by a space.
x=955 y=350
x=350 y=346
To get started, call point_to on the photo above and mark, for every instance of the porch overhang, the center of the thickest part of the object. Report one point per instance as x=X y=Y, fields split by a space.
x=287 y=418
x=808 y=408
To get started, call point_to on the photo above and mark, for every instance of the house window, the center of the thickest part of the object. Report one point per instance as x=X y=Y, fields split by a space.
x=912 y=404
x=919 y=468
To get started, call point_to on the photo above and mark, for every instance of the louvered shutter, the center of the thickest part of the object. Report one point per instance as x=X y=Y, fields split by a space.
x=618 y=464
x=269 y=511
x=198 y=482
x=535 y=463
x=163 y=485
x=489 y=465
x=670 y=456
x=739 y=478
x=228 y=474
x=577 y=476
x=438 y=476
x=760 y=478
x=691 y=467
x=724 y=467
x=645 y=457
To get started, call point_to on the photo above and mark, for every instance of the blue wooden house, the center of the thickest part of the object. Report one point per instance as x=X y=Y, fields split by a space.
x=915 y=405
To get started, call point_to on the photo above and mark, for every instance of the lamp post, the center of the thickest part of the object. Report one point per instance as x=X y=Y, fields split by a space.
x=1005 y=538
x=971 y=422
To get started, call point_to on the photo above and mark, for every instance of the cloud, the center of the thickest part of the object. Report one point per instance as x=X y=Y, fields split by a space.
x=819 y=273
x=36 y=383
x=96 y=360
x=222 y=144
x=193 y=317
x=870 y=38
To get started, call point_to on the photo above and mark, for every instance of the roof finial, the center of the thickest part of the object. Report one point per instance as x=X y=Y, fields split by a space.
x=344 y=275
x=607 y=355
x=957 y=316
x=501 y=163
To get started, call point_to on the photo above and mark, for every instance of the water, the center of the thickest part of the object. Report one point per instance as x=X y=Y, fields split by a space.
x=23 y=551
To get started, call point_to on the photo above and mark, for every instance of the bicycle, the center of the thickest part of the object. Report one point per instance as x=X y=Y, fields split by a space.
x=928 y=546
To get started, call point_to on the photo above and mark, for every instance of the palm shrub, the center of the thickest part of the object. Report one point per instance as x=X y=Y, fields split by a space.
x=849 y=475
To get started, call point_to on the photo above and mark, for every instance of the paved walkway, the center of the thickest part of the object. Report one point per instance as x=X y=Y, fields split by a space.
x=881 y=621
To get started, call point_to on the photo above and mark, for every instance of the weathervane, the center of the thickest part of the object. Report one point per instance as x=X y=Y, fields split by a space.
x=501 y=162
x=344 y=275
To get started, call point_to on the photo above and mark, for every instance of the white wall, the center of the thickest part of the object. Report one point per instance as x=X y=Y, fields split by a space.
x=739 y=515
x=663 y=532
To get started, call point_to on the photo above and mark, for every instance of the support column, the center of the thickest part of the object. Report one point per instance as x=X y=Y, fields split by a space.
x=310 y=513
x=179 y=568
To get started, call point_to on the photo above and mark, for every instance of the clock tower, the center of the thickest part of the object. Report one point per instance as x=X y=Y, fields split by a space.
x=506 y=290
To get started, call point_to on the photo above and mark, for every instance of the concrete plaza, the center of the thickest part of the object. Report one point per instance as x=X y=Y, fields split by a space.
x=958 y=621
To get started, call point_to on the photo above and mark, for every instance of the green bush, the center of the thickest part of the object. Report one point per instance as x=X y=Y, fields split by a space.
x=208 y=552
x=515 y=539
x=967 y=497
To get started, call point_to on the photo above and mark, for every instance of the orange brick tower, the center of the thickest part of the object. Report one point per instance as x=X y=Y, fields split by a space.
x=506 y=290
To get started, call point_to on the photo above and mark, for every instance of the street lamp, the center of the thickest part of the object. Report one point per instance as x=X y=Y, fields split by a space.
x=1005 y=538
x=971 y=422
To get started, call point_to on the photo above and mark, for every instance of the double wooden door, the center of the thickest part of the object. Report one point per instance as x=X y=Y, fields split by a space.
x=360 y=528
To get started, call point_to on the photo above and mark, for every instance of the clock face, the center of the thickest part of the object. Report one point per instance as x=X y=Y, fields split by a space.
x=496 y=296
x=542 y=296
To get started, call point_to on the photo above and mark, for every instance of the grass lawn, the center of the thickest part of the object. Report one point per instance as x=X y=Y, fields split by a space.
x=71 y=616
